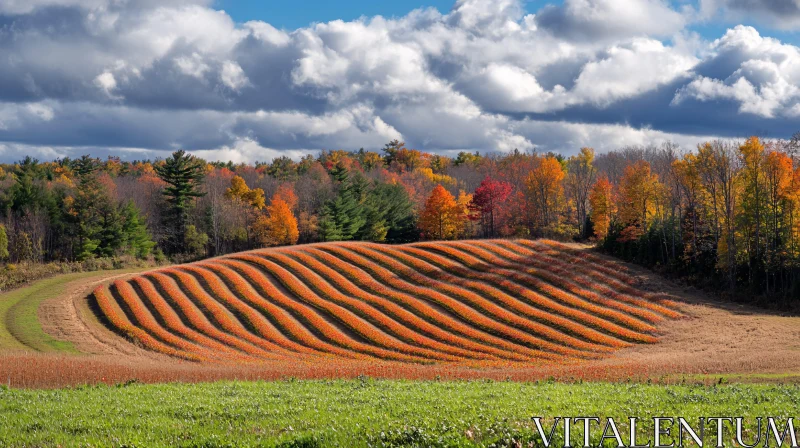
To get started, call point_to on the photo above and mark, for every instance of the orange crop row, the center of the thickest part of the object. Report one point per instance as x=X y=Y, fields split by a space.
x=583 y=311
x=121 y=323
x=629 y=294
x=553 y=326
x=147 y=322
x=480 y=303
x=398 y=350
x=474 y=339
x=285 y=320
x=555 y=274
x=173 y=321
x=344 y=344
x=471 y=298
x=610 y=268
x=273 y=338
x=219 y=313
x=198 y=320
x=600 y=264
x=320 y=276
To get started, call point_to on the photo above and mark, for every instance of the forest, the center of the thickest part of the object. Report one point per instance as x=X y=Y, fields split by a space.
x=724 y=215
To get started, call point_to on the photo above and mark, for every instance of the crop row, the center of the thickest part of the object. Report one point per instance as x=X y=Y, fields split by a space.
x=552 y=326
x=146 y=321
x=482 y=302
x=536 y=265
x=385 y=314
x=514 y=277
x=379 y=285
x=272 y=304
x=602 y=271
x=531 y=332
x=573 y=320
x=200 y=322
x=508 y=334
x=120 y=322
x=337 y=304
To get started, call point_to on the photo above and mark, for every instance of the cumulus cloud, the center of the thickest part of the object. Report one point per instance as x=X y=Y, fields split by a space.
x=159 y=75
x=764 y=79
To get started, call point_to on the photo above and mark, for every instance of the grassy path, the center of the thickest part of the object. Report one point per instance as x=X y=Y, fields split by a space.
x=361 y=412
x=20 y=328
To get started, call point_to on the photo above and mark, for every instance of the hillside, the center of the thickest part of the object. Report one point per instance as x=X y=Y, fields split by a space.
x=452 y=302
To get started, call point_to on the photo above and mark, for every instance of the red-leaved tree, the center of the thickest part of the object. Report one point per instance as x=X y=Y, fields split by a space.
x=488 y=204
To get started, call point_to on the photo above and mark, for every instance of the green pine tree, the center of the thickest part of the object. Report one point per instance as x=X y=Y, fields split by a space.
x=111 y=237
x=343 y=217
x=85 y=217
x=395 y=209
x=183 y=173
x=134 y=229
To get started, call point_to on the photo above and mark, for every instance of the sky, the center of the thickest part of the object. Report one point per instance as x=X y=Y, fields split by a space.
x=251 y=81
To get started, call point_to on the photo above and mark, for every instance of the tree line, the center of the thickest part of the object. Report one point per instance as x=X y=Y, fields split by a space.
x=722 y=215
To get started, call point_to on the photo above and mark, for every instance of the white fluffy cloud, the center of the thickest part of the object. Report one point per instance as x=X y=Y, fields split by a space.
x=157 y=75
x=765 y=79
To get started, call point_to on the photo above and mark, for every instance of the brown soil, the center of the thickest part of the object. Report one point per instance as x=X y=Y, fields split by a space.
x=714 y=337
x=69 y=318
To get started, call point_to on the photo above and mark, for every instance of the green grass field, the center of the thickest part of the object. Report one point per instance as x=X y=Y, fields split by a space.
x=354 y=413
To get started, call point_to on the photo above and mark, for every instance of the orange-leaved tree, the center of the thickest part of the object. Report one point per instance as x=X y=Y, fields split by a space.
x=443 y=218
x=286 y=193
x=601 y=201
x=279 y=226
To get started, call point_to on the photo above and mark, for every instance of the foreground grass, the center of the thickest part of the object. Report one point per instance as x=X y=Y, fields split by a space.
x=20 y=328
x=353 y=413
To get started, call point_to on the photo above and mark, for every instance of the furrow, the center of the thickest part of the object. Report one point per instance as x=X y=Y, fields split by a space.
x=628 y=293
x=555 y=327
x=580 y=287
x=551 y=298
x=148 y=322
x=509 y=321
x=379 y=343
x=472 y=337
x=118 y=320
x=197 y=319
x=175 y=323
x=380 y=312
x=219 y=313
x=264 y=302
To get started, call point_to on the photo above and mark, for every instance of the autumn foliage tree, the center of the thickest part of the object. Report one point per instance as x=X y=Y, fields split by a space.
x=545 y=193
x=279 y=226
x=639 y=189
x=443 y=218
x=488 y=205
x=240 y=191
x=601 y=201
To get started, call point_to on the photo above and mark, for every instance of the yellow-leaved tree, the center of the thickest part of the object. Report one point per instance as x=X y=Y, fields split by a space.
x=545 y=193
x=639 y=194
x=601 y=201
